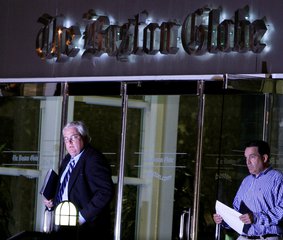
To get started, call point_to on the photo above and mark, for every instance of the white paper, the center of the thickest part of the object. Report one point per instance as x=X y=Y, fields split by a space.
x=230 y=216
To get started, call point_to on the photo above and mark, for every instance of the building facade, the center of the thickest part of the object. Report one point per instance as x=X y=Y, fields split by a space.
x=170 y=91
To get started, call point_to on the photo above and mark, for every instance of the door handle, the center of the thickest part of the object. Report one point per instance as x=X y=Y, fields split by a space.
x=185 y=225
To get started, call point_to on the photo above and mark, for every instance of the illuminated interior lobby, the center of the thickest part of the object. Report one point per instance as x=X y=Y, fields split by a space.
x=170 y=91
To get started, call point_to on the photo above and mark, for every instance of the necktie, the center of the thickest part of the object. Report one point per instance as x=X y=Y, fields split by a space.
x=65 y=180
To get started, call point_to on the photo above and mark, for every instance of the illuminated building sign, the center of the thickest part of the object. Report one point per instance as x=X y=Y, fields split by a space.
x=201 y=32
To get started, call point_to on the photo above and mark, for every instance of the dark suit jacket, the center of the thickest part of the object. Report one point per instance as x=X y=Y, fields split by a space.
x=91 y=190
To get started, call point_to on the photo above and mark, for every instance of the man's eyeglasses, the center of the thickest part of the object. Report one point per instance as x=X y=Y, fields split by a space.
x=73 y=138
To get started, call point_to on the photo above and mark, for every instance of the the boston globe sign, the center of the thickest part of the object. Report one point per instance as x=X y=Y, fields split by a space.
x=199 y=33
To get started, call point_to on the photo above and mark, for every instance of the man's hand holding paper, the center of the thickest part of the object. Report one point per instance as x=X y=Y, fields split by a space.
x=230 y=216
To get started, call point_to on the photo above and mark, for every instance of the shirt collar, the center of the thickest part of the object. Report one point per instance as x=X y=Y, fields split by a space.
x=265 y=171
x=77 y=157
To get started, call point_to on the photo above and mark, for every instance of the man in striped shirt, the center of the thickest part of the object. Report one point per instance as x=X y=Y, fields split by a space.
x=260 y=196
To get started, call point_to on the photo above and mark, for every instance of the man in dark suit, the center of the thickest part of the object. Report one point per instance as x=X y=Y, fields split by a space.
x=85 y=180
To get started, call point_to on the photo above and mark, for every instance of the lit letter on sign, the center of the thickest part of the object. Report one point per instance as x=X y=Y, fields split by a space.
x=56 y=41
x=194 y=32
x=94 y=35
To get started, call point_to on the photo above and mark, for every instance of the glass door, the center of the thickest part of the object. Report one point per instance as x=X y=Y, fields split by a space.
x=159 y=168
x=188 y=139
x=30 y=126
x=153 y=163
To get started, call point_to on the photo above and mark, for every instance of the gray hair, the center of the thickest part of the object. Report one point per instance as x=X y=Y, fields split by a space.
x=81 y=128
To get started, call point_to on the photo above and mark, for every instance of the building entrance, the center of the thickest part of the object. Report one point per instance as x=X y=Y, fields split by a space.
x=175 y=147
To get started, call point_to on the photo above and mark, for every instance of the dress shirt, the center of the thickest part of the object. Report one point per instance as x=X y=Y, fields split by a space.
x=65 y=194
x=263 y=196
